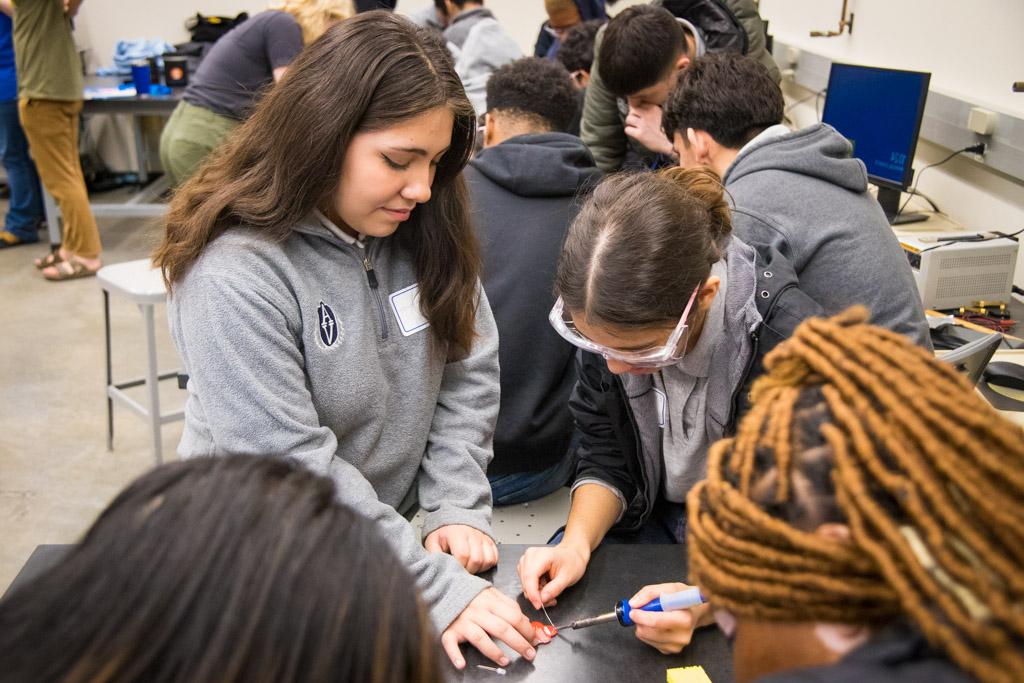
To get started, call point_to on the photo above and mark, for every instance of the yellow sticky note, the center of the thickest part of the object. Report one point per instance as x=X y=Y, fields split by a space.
x=687 y=674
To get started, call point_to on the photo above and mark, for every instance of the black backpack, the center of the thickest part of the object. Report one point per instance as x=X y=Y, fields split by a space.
x=210 y=29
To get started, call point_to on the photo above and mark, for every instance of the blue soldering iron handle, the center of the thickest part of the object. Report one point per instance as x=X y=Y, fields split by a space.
x=669 y=602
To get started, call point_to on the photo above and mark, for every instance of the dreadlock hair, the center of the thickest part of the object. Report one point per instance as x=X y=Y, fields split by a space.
x=854 y=424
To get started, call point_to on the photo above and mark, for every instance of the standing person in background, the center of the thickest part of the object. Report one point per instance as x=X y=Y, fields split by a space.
x=50 y=88
x=869 y=514
x=480 y=45
x=563 y=16
x=25 y=212
x=576 y=54
x=433 y=17
x=524 y=187
x=325 y=299
x=239 y=67
x=463 y=15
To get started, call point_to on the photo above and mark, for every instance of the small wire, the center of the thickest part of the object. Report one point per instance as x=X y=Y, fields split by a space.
x=913 y=189
x=813 y=95
x=946 y=241
x=546 y=616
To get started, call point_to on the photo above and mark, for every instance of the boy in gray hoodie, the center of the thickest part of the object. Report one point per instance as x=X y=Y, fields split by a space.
x=800 y=192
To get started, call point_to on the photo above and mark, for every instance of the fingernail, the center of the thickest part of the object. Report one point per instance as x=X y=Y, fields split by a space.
x=530 y=654
x=503 y=661
x=459 y=664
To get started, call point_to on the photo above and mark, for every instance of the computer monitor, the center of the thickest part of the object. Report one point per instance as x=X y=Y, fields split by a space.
x=879 y=111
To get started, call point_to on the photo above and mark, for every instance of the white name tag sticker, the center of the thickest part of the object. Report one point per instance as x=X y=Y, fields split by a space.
x=662 y=407
x=406 y=305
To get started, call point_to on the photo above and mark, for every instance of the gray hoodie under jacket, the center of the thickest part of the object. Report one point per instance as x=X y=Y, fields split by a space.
x=291 y=350
x=803 y=194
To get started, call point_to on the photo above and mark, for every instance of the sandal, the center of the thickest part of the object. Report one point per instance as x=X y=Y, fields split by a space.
x=51 y=259
x=71 y=269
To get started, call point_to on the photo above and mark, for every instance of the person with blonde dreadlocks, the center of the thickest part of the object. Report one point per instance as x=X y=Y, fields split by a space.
x=866 y=522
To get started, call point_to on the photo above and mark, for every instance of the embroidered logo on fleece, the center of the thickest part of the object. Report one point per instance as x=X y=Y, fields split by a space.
x=329 y=329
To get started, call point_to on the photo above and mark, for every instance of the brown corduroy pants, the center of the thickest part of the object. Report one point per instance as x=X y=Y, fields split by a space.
x=51 y=127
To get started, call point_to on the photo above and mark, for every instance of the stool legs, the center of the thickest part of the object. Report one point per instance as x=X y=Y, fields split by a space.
x=110 y=373
x=152 y=383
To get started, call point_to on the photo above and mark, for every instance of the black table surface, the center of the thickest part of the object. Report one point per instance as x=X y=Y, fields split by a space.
x=607 y=652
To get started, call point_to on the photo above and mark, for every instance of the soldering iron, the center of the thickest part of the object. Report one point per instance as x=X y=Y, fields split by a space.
x=669 y=602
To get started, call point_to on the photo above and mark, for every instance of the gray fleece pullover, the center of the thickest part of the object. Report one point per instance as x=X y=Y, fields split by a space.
x=291 y=351
x=803 y=194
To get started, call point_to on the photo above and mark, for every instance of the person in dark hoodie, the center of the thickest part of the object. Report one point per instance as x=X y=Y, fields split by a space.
x=800 y=192
x=638 y=57
x=523 y=187
x=873 y=545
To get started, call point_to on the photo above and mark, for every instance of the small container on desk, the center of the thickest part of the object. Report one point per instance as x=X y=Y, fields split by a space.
x=141 y=77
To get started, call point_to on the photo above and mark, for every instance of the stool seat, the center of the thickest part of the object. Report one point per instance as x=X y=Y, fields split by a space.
x=137 y=281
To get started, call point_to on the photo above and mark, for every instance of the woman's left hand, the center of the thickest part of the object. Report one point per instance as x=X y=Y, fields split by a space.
x=667 y=632
x=472 y=548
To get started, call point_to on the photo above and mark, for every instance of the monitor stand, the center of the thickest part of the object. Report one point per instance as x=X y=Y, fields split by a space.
x=890 y=201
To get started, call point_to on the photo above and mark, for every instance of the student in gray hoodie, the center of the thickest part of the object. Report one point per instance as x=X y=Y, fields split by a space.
x=524 y=187
x=325 y=300
x=800 y=192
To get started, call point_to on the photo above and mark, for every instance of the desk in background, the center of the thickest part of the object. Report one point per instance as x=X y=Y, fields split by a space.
x=599 y=653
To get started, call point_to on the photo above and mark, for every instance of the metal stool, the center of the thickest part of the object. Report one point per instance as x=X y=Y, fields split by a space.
x=139 y=282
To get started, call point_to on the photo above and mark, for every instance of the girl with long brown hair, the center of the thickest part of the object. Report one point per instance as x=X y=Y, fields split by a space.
x=675 y=315
x=325 y=300
x=866 y=523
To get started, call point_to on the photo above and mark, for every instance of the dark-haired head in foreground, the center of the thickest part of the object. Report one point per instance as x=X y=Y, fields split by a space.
x=218 y=570
x=529 y=95
x=720 y=103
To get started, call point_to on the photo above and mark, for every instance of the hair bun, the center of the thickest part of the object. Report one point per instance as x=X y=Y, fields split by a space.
x=705 y=185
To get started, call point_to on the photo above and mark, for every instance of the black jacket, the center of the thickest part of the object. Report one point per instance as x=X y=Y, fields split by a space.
x=524 y=195
x=897 y=654
x=611 y=449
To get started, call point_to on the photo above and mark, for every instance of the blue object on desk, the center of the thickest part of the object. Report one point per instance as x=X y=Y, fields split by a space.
x=141 y=78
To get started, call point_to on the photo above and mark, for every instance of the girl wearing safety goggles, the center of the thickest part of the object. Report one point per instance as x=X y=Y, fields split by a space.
x=674 y=315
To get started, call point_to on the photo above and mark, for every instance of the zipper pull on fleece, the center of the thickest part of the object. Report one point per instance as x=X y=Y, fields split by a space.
x=370 y=274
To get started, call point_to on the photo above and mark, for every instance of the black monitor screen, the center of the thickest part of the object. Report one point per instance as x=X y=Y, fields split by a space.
x=879 y=111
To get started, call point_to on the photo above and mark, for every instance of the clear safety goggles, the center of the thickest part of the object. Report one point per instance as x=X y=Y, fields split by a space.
x=653 y=357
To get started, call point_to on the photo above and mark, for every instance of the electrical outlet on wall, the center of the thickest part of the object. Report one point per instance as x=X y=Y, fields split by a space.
x=982 y=121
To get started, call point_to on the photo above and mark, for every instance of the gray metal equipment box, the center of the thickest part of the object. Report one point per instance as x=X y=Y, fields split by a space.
x=951 y=274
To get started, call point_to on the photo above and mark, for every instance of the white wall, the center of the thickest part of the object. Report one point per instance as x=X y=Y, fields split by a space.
x=101 y=23
x=972 y=54
x=974 y=50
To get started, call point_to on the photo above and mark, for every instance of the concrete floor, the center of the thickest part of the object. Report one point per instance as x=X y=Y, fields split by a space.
x=55 y=471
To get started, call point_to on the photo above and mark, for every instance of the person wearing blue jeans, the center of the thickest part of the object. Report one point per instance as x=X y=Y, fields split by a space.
x=25 y=212
x=513 y=488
